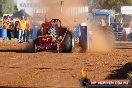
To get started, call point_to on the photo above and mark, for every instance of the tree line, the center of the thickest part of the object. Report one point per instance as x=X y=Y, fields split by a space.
x=7 y=7
x=112 y=4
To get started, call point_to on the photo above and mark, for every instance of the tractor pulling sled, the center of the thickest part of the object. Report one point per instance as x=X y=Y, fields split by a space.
x=53 y=36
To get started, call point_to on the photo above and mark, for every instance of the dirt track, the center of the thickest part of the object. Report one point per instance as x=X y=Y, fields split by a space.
x=53 y=70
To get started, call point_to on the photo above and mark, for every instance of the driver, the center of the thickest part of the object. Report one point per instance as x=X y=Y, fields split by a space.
x=45 y=27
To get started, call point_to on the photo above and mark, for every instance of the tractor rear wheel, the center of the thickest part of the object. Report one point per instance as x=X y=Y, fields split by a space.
x=68 y=43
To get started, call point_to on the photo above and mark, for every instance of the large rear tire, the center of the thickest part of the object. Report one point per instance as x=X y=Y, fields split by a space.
x=68 y=45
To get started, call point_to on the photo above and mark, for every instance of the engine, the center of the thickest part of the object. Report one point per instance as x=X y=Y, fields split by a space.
x=54 y=29
x=51 y=32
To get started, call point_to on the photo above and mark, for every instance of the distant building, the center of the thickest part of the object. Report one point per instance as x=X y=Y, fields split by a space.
x=26 y=5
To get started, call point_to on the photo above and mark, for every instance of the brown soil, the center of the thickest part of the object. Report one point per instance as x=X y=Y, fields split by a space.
x=55 y=70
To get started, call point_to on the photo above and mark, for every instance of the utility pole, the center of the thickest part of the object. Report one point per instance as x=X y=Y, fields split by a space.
x=62 y=5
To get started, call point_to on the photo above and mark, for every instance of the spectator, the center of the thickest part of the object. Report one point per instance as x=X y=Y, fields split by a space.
x=28 y=27
x=12 y=26
x=16 y=29
x=5 y=24
x=22 y=28
x=8 y=27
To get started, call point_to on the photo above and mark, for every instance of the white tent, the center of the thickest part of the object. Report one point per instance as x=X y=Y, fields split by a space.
x=127 y=10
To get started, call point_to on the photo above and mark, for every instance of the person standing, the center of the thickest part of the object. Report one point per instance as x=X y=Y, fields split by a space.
x=16 y=29
x=22 y=28
x=5 y=26
x=12 y=26
x=27 y=31
x=9 y=30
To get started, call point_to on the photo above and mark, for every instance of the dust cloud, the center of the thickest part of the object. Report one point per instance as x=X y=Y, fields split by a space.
x=69 y=12
x=102 y=38
x=73 y=13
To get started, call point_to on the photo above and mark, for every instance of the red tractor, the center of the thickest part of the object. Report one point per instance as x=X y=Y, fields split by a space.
x=52 y=36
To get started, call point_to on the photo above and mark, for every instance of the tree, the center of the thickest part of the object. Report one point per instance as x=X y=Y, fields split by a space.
x=7 y=7
x=110 y=4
